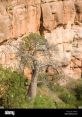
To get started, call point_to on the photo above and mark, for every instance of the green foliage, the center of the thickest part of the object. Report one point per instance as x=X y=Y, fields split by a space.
x=55 y=87
x=64 y=106
x=42 y=101
x=75 y=87
x=42 y=79
x=34 y=42
x=50 y=81
x=78 y=91
x=67 y=97
x=70 y=96
x=13 y=93
x=16 y=92
x=5 y=74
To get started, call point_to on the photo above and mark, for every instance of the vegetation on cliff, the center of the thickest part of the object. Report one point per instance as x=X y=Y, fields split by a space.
x=43 y=90
x=13 y=93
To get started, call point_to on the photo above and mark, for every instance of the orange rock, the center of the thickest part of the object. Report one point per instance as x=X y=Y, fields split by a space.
x=51 y=71
x=56 y=18
x=28 y=73
x=77 y=73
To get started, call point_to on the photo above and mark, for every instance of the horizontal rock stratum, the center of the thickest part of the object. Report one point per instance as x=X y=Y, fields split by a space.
x=59 y=20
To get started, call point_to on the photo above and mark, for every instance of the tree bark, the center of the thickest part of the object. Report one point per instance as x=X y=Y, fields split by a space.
x=32 y=91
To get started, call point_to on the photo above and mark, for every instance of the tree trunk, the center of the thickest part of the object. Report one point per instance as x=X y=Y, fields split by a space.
x=32 y=91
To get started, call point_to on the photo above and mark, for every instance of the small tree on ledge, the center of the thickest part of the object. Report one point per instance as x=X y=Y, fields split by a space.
x=34 y=43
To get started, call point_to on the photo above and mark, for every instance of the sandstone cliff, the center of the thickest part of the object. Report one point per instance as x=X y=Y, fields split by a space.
x=59 y=20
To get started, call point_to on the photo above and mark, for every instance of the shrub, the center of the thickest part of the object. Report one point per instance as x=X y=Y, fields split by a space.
x=42 y=79
x=56 y=88
x=42 y=101
x=78 y=91
x=15 y=93
x=67 y=97
x=75 y=87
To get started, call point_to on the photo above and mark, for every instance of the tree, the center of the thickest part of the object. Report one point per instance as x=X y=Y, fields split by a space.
x=34 y=43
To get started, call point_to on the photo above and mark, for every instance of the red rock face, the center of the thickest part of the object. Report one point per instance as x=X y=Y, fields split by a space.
x=57 y=12
x=60 y=22
x=19 y=17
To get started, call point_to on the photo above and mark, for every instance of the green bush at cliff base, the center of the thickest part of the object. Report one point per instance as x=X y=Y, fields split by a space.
x=14 y=93
x=42 y=101
x=67 y=97
x=15 y=90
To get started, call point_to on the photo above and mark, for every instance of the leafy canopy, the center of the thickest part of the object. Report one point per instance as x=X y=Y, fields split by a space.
x=34 y=41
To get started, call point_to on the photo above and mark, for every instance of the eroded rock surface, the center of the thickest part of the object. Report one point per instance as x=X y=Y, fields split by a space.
x=59 y=20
